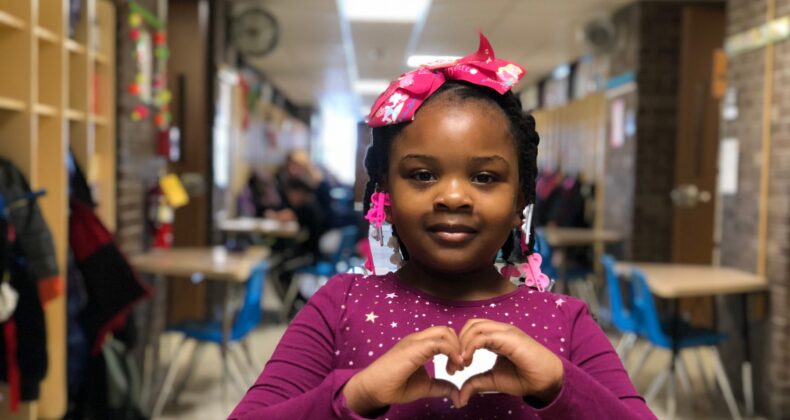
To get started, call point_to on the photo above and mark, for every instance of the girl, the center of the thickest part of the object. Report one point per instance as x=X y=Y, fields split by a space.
x=453 y=166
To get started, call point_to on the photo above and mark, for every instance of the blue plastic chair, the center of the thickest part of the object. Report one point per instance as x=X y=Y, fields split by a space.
x=544 y=249
x=688 y=337
x=330 y=266
x=336 y=262
x=206 y=331
x=623 y=318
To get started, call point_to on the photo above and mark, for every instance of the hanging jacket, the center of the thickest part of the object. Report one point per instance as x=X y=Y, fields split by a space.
x=35 y=239
x=111 y=284
x=28 y=263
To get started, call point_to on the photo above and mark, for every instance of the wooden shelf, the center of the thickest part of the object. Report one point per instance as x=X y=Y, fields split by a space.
x=8 y=20
x=44 y=34
x=45 y=110
x=8 y=104
x=98 y=120
x=58 y=92
x=75 y=47
x=100 y=58
x=75 y=115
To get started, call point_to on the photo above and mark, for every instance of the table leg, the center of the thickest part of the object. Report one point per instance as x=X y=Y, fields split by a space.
x=675 y=334
x=151 y=372
x=226 y=327
x=746 y=367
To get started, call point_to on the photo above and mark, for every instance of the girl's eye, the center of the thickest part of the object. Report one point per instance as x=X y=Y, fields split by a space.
x=422 y=176
x=484 y=178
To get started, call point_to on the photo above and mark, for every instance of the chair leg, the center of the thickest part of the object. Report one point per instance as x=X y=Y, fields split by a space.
x=245 y=369
x=724 y=383
x=167 y=385
x=685 y=381
x=290 y=298
x=624 y=346
x=672 y=397
x=245 y=345
x=197 y=350
x=655 y=386
x=235 y=375
x=640 y=361
x=709 y=388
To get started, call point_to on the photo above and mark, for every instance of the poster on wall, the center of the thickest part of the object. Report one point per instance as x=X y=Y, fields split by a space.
x=617 y=122
x=728 y=166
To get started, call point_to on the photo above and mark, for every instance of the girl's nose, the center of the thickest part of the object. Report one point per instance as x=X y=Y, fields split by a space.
x=453 y=196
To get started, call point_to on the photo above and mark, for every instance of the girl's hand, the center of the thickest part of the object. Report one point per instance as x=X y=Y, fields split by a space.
x=399 y=377
x=524 y=367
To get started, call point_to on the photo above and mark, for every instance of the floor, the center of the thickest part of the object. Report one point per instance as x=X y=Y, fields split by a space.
x=203 y=396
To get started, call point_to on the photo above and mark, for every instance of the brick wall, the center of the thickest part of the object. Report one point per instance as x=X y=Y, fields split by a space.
x=620 y=161
x=138 y=165
x=659 y=52
x=640 y=173
x=770 y=333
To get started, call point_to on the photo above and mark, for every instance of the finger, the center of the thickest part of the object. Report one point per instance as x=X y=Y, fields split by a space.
x=483 y=382
x=500 y=342
x=438 y=340
x=469 y=324
x=480 y=331
x=440 y=388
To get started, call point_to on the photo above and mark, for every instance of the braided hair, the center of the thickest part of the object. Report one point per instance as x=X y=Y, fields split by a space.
x=522 y=129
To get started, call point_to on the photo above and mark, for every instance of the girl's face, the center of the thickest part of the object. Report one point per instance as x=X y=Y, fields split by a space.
x=453 y=178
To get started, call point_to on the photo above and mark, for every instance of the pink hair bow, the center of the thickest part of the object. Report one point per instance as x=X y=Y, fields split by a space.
x=405 y=95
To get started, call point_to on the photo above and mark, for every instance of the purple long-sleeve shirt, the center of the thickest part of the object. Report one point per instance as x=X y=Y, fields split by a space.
x=354 y=319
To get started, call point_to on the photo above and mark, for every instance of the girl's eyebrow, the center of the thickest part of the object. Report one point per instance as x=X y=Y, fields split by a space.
x=418 y=157
x=489 y=159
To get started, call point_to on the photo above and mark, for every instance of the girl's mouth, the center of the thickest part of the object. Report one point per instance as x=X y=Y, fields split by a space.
x=452 y=233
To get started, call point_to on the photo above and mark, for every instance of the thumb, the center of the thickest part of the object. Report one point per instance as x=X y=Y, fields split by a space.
x=440 y=388
x=483 y=382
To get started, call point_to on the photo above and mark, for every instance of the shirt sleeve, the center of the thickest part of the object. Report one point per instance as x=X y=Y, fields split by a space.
x=300 y=380
x=596 y=384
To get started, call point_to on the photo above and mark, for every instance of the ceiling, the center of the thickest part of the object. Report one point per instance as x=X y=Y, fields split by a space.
x=319 y=55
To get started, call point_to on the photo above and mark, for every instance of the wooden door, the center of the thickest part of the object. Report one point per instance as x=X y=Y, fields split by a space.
x=698 y=135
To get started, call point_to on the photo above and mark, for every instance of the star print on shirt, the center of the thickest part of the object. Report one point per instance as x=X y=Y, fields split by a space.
x=391 y=295
x=560 y=301
x=371 y=317
x=394 y=325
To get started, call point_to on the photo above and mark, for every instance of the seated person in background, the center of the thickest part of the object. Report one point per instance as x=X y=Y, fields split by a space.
x=260 y=194
x=335 y=198
x=304 y=208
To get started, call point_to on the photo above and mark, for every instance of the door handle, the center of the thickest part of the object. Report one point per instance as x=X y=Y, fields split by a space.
x=689 y=195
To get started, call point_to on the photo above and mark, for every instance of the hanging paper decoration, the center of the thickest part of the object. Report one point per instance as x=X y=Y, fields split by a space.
x=150 y=54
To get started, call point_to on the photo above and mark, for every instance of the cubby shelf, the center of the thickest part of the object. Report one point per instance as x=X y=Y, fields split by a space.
x=57 y=93
x=8 y=20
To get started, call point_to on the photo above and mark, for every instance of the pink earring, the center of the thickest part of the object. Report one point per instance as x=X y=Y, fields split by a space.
x=376 y=214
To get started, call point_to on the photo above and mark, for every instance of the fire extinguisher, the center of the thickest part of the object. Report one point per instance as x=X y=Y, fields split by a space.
x=160 y=218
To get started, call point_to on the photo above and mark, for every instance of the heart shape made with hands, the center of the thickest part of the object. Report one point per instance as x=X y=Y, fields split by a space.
x=483 y=360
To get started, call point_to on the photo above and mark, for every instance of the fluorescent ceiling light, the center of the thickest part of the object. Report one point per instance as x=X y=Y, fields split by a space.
x=418 y=60
x=370 y=86
x=393 y=11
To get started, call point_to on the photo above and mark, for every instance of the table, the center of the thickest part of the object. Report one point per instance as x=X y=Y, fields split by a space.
x=563 y=237
x=266 y=227
x=198 y=263
x=673 y=281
